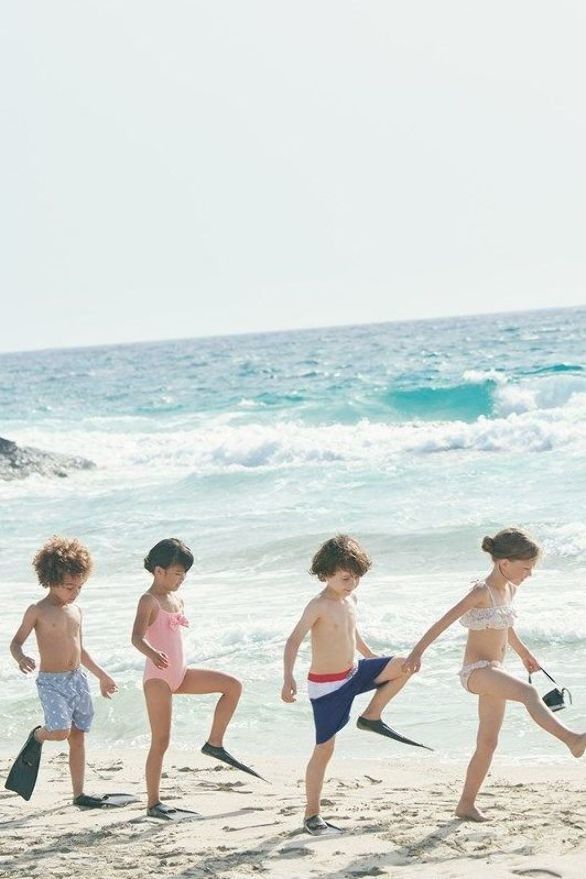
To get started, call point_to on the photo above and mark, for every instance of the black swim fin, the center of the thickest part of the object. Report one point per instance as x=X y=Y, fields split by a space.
x=380 y=727
x=170 y=813
x=23 y=775
x=225 y=757
x=318 y=826
x=106 y=801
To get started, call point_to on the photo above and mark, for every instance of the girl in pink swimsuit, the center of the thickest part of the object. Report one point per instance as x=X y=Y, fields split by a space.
x=157 y=633
x=487 y=612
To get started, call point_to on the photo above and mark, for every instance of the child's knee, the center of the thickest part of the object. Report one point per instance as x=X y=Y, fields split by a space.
x=530 y=695
x=399 y=660
x=58 y=735
x=487 y=744
x=326 y=749
x=76 y=735
x=234 y=688
x=161 y=742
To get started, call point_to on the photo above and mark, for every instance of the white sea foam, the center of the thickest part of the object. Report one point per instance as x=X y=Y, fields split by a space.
x=221 y=446
x=476 y=376
x=549 y=392
x=565 y=541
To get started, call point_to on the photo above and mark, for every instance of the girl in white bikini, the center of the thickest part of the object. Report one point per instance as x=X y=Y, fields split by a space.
x=487 y=612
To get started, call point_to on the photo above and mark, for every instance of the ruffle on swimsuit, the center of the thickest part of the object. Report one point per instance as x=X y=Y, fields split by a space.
x=499 y=616
x=176 y=620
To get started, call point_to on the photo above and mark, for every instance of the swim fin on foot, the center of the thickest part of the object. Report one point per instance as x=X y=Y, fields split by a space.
x=219 y=753
x=318 y=826
x=23 y=775
x=170 y=813
x=107 y=801
x=380 y=727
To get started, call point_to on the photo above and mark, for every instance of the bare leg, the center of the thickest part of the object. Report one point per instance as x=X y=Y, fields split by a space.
x=58 y=735
x=159 y=706
x=77 y=760
x=314 y=776
x=393 y=679
x=495 y=682
x=491 y=712
x=197 y=681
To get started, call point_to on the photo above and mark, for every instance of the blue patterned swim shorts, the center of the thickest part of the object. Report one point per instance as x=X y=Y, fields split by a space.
x=66 y=700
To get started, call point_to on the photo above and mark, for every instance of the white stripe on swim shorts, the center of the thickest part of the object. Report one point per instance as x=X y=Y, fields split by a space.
x=317 y=689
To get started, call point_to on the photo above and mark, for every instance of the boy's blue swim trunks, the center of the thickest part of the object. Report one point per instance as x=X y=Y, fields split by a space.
x=331 y=712
x=65 y=697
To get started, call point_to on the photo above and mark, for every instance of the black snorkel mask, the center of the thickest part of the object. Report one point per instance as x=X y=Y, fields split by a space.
x=556 y=698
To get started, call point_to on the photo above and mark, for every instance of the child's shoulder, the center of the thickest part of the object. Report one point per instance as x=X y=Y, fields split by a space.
x=315 y=606
x=479 y=583
x=33 y=610
x=480 y=590
x=147 y=599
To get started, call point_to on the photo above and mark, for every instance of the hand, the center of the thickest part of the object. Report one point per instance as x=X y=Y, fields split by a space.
x=107 y=686
x=160 y=659
x=289 y=690
x=530 y=663
x=413 y=662
x=26 y=664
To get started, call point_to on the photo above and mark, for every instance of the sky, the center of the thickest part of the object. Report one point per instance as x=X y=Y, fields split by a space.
x=204 y=167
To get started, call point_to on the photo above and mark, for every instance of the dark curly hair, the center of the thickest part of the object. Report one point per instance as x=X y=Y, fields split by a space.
x=61 y=556
x=340 y=553
x=167 y=552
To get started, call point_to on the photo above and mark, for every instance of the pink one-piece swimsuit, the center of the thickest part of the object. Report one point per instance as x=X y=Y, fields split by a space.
x=164 y=634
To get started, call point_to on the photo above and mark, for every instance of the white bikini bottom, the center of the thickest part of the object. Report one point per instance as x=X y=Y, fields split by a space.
x=467 y=670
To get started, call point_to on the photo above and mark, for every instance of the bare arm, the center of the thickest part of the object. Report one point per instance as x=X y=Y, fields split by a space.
x=521 y=649
x=107 y=684
x=29 y=621
x=141 y=624
x=413 y=661
x=308 y=619
x=363 y=647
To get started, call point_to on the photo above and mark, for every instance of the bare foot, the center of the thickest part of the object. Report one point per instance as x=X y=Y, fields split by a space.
x=470 y=813
x=579 y=745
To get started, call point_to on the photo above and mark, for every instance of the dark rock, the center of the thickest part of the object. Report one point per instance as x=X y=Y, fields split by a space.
x=19 y=462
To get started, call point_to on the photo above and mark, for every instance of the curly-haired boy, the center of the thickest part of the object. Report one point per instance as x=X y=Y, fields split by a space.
x=62 y=565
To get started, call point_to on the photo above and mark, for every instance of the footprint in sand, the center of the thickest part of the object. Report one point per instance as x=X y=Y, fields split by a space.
x=537 y=873
x=289 y=810
x=369 y=871
x=298 y=851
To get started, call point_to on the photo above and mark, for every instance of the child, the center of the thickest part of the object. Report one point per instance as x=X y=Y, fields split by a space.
x=334 y=678
x=63 y=565
x=487 y=612
x=157 y=634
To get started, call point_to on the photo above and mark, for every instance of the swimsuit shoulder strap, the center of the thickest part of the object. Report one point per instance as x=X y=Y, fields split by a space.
x=492 y=601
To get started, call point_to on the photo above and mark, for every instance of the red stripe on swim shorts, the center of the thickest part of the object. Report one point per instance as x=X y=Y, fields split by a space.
x=325 y=679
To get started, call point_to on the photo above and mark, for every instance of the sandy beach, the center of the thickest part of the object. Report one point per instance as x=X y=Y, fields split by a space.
x=397 y=817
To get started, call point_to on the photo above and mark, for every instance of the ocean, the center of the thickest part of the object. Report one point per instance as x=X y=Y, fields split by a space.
x=418 y=438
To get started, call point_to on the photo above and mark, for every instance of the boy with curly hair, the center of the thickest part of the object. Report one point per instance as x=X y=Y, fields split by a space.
x=335 y=679
x=62 y=565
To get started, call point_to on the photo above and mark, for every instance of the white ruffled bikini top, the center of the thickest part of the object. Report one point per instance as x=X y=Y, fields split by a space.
x=499 y=616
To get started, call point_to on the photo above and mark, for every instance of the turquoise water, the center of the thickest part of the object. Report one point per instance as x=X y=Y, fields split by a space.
x=418 y=438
